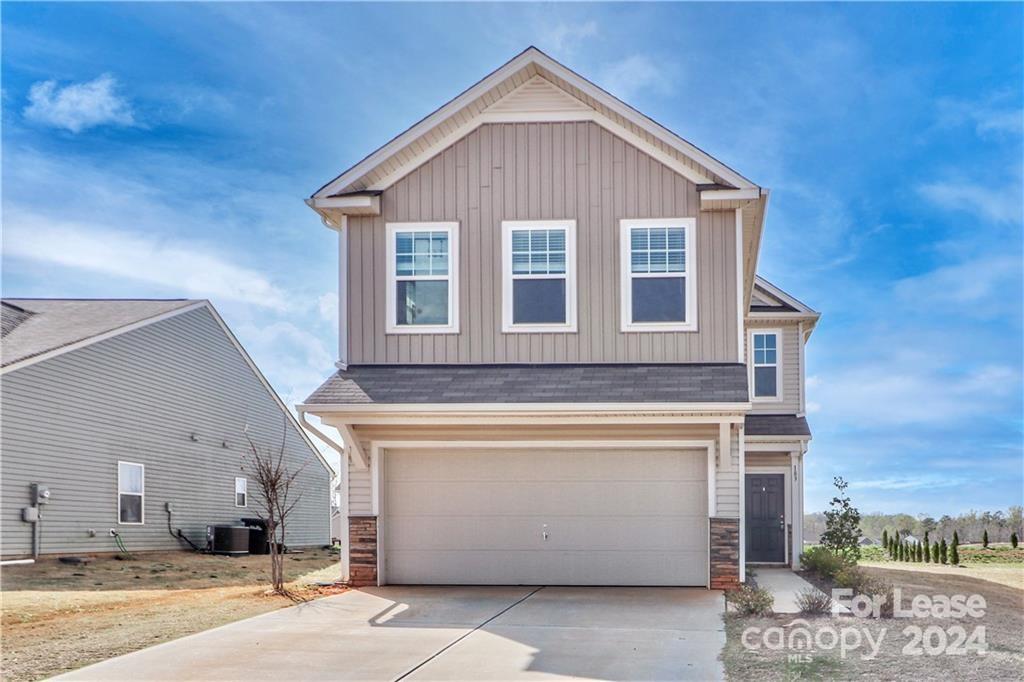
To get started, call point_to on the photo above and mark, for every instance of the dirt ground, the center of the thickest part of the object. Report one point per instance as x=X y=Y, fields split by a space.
x=57 y=617
x=1003 y=624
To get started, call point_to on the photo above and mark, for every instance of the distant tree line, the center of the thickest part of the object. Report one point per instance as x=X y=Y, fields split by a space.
x=971 y=527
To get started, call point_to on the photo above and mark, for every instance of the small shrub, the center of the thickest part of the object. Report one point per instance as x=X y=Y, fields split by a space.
x=919 y=557
x=885 y=539
x=927 y=553
x=842 y=524
x=984 y=539
x=935 y=552
x=1013 y=540
x=954 y=552
x=876 y=587
x=943 y=554
x=823 y=562
x=813 y=600
x=751 y=601
x=850 y=577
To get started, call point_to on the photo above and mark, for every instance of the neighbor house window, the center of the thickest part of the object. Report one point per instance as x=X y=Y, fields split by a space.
x=539 y=276
x=131 y=491
x=658 y=287
x=765 y=364
x=422 y=296
x=241 y=492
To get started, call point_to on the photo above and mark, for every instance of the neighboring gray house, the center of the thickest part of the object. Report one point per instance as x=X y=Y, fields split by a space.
x=121 y=407
x=557 y=363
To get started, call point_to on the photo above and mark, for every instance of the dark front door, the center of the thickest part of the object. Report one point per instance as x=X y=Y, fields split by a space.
x=766 y=518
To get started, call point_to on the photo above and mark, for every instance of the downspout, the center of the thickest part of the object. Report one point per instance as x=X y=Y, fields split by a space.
x=343 y=475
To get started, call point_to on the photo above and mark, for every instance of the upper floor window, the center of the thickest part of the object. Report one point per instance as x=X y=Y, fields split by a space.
x=422 y=269
x=765 y=364
x=658 y=287
x=539 y=276
x=131 y=492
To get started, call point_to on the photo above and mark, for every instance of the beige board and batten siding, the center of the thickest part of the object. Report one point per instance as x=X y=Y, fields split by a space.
x=542 y=171
x=790 y=380
x=140 y=397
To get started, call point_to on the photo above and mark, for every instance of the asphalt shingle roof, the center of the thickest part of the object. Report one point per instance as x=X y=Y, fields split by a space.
x=33 y=326
x=410 y=384
x=776 y=425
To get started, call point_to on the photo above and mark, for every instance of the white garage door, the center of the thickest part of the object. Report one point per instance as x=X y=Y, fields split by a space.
x=545 y=517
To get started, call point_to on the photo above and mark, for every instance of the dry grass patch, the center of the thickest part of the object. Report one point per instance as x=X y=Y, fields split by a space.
x=57 y=617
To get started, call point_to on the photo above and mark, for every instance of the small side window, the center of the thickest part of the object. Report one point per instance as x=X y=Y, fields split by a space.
x=765 y=363
x=131 y=493
x=241 y=492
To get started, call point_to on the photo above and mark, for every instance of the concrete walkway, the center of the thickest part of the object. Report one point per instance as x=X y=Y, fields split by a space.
x=784 y=585
x=452 y=633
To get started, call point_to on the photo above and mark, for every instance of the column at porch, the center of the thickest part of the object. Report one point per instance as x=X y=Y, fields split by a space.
x=724 y=512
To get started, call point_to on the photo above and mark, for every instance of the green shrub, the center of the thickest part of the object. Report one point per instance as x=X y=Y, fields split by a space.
x=984 y=539
x=814 y=601
x=927 y=554
x=823 y=562
x=885 y=539
x=850 y=576
x=842 y=524
x=954 y=551
x=935 y=552
x=1013 y=540
x=751 y=601
x=919 y=557
x=943 y=554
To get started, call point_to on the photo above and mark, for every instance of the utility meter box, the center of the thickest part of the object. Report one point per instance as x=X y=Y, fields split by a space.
x=40 y=493
x=30 y=514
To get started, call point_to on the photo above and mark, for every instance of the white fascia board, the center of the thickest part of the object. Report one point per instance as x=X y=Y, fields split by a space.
x=357 y=204
x=773 y=443
x=745 y=194
x=517 y=408
x=101 y=337
x=523 y=60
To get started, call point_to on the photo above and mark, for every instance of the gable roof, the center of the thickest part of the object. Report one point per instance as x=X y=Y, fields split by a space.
x=37 y=329
x=33 y=327
x=530 y=86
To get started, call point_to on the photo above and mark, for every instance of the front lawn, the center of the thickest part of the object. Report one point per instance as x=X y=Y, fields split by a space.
x=999 y=563
x=57 y=617
x=1003 y=623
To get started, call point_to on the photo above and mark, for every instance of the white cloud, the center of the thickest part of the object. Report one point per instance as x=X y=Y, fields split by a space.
x=977 y=287
x=634 y=74
x=990 y=117
x=327 y=305
x=908 y=388
x=1001 y=204
x=78 y=106
x=916 y=482
x=191 y=268
x=564 y=38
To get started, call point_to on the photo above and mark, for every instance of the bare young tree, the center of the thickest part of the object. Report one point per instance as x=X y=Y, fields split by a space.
x=277 y=497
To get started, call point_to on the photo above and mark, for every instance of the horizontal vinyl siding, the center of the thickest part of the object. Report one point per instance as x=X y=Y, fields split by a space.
x=790 y=403
x=727 y=479
x=138 y=397
x=542 y=171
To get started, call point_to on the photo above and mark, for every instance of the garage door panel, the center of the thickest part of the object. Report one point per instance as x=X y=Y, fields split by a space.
x=564 y=533
x=547 y=498
x=527 y=464
x=549 y=568
x=613 y=517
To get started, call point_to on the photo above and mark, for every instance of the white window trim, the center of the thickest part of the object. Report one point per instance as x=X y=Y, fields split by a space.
x=777 y=398
x=245 y=492
x=142 y=495
x=626 y=276
x=570 y=325
x=452 y=228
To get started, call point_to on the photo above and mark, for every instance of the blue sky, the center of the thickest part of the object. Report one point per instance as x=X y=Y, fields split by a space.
x=164 y=151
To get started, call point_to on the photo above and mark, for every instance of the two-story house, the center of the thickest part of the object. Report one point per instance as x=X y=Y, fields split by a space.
x=557 y=365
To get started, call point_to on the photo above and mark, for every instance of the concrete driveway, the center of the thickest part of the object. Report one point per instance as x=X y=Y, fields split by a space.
x=453 y=633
